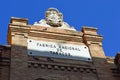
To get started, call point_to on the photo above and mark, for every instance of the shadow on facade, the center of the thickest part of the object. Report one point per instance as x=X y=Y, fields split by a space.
x=4 y=62
x=16 y=64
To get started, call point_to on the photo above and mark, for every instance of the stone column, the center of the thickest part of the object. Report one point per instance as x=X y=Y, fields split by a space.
x=94 y=42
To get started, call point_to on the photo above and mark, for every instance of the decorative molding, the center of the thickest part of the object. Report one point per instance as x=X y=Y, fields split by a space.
x=60 y=67
x=92 y=39
x=17 y=33
x=56 y=36
x=20 y=21
x=90 y=42
x=37 y=29
x=89 y=30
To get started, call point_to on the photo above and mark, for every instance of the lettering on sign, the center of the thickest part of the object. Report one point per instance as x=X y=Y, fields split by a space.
x=58 y=50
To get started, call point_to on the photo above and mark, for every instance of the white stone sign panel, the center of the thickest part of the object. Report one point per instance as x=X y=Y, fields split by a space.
x=58 y=50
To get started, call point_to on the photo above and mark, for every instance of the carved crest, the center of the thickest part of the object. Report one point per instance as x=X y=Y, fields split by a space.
x=54 y=18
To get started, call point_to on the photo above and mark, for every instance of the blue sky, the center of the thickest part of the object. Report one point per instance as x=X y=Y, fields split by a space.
x=102 y=14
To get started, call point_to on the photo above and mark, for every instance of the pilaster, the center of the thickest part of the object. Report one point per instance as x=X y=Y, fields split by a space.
x=94 y=42
x=17 y=38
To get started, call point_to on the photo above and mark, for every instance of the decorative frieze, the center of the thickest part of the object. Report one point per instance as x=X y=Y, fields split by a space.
x=56 y=67
x=62 y=68
x=36 y=65
x=81 y=69
x=69 y=68
x=49 y=66
x=42 y=66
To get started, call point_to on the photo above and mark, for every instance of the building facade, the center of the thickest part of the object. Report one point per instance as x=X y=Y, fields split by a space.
x=52 y=50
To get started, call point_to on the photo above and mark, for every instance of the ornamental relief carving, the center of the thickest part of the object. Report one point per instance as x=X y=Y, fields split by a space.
x=54 y=18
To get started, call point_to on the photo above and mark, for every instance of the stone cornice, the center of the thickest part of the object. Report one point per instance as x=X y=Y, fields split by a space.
x=52 y=33
x=90 y=36
x=21 y=21
x=56 y=31
x=55 y=36
x=89 y=30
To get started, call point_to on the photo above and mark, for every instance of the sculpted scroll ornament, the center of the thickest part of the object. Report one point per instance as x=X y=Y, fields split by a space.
x=53 y=18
